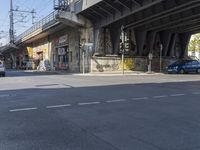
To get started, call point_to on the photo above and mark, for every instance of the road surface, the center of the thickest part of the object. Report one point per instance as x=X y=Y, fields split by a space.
x=42 y=111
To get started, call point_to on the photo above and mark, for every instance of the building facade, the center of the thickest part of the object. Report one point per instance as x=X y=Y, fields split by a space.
x=95 y=33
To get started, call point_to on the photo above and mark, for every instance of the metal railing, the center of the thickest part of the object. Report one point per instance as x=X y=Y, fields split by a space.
x=42 y=24
x=78 y=6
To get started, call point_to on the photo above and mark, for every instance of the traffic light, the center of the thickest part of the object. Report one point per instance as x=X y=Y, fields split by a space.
x=121 y=46
x=80 y=45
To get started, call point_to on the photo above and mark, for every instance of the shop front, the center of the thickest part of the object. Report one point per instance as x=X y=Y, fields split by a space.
x=61 y=53
x=40 y=56
x=22 y=57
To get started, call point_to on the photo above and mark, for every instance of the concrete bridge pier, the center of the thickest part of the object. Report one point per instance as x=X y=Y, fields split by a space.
x=99 y=41
x=115 y=32
x=140 y=41
x=13 y=60
x=151 y=35
x=184 y=40
x=165 y=37
x=171 y=49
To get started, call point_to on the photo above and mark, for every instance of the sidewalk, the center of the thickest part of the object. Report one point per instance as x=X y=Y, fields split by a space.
x=119 y=73
x=107 y=73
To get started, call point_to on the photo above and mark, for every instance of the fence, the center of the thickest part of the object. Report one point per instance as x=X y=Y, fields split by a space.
x=45 y=22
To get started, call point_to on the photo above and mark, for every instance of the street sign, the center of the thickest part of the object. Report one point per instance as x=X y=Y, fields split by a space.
x=150 y=56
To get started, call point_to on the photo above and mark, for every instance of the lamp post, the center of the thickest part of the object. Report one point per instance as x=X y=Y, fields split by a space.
x=150 y=56
x=83 y=54
x=161 y=49
x=123 y=47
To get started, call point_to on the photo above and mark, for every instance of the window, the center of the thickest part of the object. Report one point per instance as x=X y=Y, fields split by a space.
x=195 y=62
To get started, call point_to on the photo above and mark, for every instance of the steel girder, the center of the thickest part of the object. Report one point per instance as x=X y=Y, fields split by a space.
x=157 y=15
x=114 y=10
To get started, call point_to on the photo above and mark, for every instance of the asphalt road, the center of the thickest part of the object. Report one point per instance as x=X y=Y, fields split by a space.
x=41 y=111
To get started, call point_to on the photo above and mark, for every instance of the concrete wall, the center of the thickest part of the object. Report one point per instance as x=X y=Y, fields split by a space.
x=108 y=64
x=89 y=3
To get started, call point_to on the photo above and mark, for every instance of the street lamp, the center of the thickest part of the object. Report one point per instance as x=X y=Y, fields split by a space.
x=123 y=47
x=83 y=54
x=150 y=56
x=161 y=49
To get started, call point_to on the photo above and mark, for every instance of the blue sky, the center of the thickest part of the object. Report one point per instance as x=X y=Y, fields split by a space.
x=42 y=7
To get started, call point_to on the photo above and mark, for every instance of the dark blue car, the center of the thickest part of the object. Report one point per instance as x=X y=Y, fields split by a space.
x=184 y=66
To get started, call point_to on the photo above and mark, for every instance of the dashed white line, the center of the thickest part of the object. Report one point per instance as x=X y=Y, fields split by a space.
x=196 y=93
x=23 y=109
x=89 y=103
x=116 y=100
x=4 y=95
x=161 y=96
x=140 y=98
x=58 y=106
x=94 y=103
x=176 y=95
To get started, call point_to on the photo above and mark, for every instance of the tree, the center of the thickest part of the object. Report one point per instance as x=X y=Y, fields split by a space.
x=194 y=44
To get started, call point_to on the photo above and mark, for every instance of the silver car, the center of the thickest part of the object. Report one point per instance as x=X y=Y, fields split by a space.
x=2 y=69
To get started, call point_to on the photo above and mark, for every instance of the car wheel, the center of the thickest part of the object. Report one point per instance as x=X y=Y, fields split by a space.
x=182 y=71
x=3 y=74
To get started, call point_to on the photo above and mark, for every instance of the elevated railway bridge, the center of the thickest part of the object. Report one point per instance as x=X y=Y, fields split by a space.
x=143 y=25
x=146 y=23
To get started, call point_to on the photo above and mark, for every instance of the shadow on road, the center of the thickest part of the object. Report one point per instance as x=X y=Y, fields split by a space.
x=23 y=73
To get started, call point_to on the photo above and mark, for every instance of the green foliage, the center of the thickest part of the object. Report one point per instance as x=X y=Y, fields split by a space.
x=194 y=44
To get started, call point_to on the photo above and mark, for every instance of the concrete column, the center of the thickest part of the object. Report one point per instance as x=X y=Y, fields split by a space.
x=107 y=42
x=140 y=41
x=99 y=41
x=151 y=35
x=184 y=41
x=171 y=49
x=13 y=57
x=115 y=32
x=165 y=37
x=133 y=42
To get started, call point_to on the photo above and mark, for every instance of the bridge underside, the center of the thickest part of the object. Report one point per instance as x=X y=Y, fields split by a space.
x=147 y=23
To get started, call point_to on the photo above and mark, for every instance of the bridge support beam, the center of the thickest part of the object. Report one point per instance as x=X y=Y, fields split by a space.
x=140 y=41
x=150 y=41
x=165 y=37
x=184 y=40
x=115 y=32
x=172 y=48
x=99 y=41
x=13 y=57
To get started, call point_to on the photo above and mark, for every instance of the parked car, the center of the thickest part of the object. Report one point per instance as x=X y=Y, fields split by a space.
x=184 y=66
x=2 y=69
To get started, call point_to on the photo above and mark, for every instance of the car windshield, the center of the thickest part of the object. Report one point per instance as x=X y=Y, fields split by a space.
x=181 y=62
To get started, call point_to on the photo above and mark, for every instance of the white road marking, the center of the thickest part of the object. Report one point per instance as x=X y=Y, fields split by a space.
x=176 y=95
x=58 y=106
x=116 y=100
x=196 y=93
x=23 y=109
x=161 y=96
x=4 y=95
x=89 y=103
x=140 y=98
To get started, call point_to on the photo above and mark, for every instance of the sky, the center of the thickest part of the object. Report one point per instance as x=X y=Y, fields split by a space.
x=23 y=21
